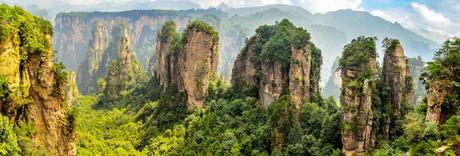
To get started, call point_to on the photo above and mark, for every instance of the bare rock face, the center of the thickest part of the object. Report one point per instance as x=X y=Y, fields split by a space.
x=299 y=76
x=36 y=85
x=200 y=58
x=356 y=95
x=269 y=75
x=90 y=69
x=162 y=65
x=190 y=63
x=397 y=85
x=437 y=96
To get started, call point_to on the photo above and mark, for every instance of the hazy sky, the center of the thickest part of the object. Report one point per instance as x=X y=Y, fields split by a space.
x=436 y=16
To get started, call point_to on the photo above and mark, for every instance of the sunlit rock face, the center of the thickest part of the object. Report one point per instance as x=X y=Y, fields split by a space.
x=397 y=85
x=189 y=65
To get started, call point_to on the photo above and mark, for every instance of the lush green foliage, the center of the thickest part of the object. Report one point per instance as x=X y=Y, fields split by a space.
x=106 y=132
x=8 y=139
x=358 y=51
x=29 y=32
x=425 y=138
x=225 y=126
x=197 y=24
x=168 y=29
x=355 y=55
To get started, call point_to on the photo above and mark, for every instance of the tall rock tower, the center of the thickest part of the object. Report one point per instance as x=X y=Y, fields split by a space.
x=187 y=63
x=397 y=85
x=358 y=67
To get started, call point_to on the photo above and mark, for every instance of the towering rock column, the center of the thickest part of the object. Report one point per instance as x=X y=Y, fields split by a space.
x=162 y=65
x=397 y=86
x=188 y=62
x=358 y=66
x=198 y=60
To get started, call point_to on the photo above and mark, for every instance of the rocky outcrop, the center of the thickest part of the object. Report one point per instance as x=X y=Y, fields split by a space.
x=438 y=92
x=267 y=70
x=358 y=66
x=188 y=62
x=36 y=85
x=397 y=85
x=124 y=72
x=93 y=66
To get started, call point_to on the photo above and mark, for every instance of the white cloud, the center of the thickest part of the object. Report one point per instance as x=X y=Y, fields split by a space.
x=430 y=16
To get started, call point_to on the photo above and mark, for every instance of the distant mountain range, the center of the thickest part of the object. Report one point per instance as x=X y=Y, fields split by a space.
x=329 y=31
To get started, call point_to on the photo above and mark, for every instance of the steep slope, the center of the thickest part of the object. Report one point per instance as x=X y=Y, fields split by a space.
x=358 y=67
x=35 y=85
x=279 y=60
x=397 y=85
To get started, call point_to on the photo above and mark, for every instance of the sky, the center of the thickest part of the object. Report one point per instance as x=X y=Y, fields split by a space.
x=440 y=18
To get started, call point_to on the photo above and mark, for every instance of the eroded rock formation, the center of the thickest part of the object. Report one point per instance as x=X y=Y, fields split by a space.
x=35 y=84
x=397 y=85
x=358 y=66
x=188 y=62
x=267 y=69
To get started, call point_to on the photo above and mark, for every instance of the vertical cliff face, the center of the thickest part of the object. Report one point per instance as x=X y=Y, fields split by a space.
x=278 y=60
x=90 y=69
x=162 y=66
x=123 y=71
x=200 y=57
x=35 y=84
x=397 y=85
x=188 y=62
x=358 y=66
